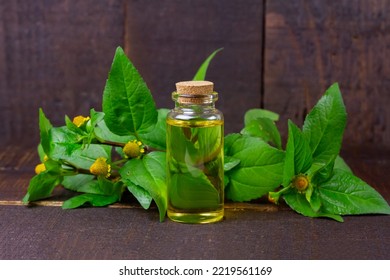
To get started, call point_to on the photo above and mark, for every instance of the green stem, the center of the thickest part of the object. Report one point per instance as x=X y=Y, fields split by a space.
x=74 y=169
x=275 y=196
x=112 y=143
x=137 y=136
x=108 y=142
x=149 y=149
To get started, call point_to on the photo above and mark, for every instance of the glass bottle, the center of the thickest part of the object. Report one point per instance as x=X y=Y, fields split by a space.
x=195 y=155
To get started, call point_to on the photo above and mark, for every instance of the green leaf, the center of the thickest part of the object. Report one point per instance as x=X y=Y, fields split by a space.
x=148 y=173
x=260 y=169
x=315 y=200
x=104 y=135
x=226 y=180
x=41 y=153
x=341 y=164
x=65 y=138
x=229 y=141
x=81 y=183
x=256 y=113
x=230 y=163
x=127 y=102
x=346 y=194
x=320 y=172
x=298 y=154
x=41 y=186
x=195 y=145
x=156 y=138
x=96 y=200
x=79 y=156
x=45 y=132
x=89 y=184
x=90 y=126
x=142 y=195
x=265 y=129
x=72 y=127
x=190 y=191
x=324 y=125
x=201 y=73
x=299 y=204
x=96 y=117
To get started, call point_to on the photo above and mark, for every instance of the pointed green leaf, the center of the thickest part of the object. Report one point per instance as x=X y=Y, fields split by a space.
x=41 y=186
x=187 y=191
x=195 y=145
x=127 y=102
x=45 y=132
x=230 y=163
x=229 y=141
x=82 y=157
x=96 y=200
x=81 y=183
x=341 y=164
x=346 y=194
x=315 y=200
x=156 y=138
x=324 y=125
x=265 y=129
x=103 y=134
x=256 y=113
x=148 y=173
x=72 y=127
x=41 y=152
x=260 y=169
x=142 y=195
x=298 y=154
x=201 y=73
x=299 y=204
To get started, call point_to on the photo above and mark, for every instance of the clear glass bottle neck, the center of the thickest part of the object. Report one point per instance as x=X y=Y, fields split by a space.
x=190 y=101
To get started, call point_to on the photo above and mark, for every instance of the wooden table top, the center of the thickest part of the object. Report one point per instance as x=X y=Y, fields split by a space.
x=126 y=231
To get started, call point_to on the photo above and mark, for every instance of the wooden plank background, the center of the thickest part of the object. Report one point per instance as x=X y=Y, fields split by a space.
x=280 y=55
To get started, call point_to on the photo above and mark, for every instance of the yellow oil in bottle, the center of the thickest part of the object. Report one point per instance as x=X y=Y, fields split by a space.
x=195 y=170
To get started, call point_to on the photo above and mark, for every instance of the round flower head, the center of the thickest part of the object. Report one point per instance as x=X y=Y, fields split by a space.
x=40 y=168
x=100 y=167
x=133 y=149
x=80 y=120
x=300 y=182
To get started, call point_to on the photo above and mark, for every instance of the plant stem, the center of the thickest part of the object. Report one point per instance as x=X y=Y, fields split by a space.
x=111 y=143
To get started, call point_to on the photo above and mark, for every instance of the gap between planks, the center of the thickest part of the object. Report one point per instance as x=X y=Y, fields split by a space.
x=228 y=206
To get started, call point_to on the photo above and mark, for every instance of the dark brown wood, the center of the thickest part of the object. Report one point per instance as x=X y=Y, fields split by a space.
x=54 y=55
x=311 y=44
x=126 y=231
x=168 y=40
x=57 y=55
x=101 y=233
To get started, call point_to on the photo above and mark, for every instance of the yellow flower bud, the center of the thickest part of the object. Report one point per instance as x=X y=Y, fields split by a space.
x=80 y=120
x=272 y=198
x=300 y=182
x=100 y=167
x=40 y=168
x=133 y=149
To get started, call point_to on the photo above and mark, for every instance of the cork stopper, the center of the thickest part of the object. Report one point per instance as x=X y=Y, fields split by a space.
x=194 y=87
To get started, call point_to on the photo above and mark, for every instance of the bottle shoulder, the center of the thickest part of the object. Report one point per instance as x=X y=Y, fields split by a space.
x=185 y=114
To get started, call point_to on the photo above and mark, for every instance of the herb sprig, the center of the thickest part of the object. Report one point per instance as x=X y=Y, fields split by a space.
x=123 y=148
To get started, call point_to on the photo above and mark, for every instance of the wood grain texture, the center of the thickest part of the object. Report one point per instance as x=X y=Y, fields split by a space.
x=100 y=233
x=311 y=44
x=126 y=231
x=54 y=55
x=168 y=40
